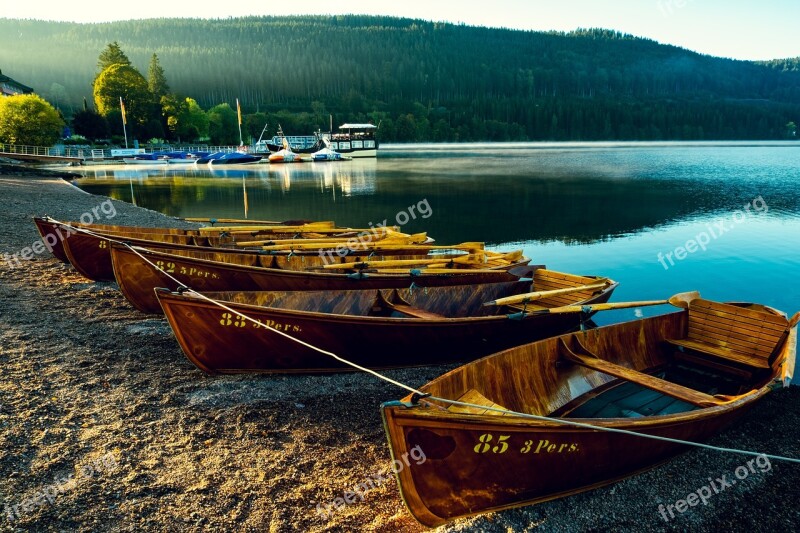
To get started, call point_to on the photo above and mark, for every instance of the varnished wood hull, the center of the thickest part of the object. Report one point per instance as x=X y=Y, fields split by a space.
x=137 y=278
x=90 y=253
x=55 y=235
x=483 y=462
x=217 y=341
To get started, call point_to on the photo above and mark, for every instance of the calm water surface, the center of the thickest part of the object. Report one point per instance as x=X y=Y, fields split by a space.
x=606 y=209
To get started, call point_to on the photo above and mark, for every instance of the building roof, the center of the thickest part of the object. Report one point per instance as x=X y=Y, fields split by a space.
x=9 y=87
x=357 y=126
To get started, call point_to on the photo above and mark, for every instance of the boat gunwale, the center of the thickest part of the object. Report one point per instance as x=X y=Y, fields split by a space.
x=315 y=272
x=339 y=317
x=782 y=365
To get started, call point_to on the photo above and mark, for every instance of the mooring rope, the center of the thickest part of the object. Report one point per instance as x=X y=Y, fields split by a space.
x=135 y=249
x=539 y=418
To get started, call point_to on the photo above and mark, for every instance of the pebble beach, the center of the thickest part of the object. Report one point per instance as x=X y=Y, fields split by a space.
x=106 y=426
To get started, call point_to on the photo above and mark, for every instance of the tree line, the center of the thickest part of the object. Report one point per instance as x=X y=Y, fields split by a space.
x=422 y=81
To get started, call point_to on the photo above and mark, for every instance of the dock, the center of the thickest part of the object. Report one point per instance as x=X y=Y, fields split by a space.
x=43 y=154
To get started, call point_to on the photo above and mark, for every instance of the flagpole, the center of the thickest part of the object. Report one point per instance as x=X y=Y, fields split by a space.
x=124 y=121
x=239 y=113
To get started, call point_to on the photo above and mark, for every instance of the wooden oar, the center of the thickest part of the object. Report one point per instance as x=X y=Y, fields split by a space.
x=490 y=261
x=538 y=295
x=276 y=227
x=391 y=263
x=423 y=271
x=681 y=299
x=516 y=255
x=416 y=238
x=378 y=246
x=239 y=221
x=301 y=229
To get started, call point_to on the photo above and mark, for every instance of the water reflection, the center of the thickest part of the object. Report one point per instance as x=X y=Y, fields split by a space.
x=569 y=193
x=590 y=209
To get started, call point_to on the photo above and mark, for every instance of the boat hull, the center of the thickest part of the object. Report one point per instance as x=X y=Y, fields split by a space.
x=90 y=254
x=477 y=461
x=541 y=462
x=218 y=341
x=137 y=279
x=53 y=237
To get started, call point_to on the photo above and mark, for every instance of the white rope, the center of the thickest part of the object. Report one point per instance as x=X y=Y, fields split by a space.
x=568 y=422
x=561 y=421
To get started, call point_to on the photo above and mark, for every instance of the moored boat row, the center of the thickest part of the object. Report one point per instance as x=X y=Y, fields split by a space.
x=554 y=406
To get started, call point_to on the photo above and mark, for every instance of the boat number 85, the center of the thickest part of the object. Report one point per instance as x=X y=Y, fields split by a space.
x=484 y=445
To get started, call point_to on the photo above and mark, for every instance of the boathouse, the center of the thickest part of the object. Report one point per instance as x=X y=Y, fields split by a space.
x=9 y=87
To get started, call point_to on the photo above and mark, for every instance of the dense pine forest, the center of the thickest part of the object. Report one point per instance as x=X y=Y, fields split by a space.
x=423 y=81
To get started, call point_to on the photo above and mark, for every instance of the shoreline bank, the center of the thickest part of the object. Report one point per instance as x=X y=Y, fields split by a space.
x=84 y=375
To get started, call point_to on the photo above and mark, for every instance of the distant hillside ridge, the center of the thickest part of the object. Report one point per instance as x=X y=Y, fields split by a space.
x=426 y=81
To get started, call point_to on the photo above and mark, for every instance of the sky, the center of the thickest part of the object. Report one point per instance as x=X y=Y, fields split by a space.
x=740 y=29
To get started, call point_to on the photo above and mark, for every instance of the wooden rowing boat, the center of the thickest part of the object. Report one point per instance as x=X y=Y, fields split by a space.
x=137 y=277
x=279 y=234
x=401 y=327
x=90 y=254
x=684 y=375
x=54 y=234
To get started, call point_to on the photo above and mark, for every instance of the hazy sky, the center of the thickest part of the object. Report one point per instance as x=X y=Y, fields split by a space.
x=743 y=29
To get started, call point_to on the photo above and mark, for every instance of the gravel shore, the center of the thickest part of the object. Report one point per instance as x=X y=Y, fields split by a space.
x=105 y=426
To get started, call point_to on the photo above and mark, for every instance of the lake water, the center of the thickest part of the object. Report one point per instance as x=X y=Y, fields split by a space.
x=728 y=214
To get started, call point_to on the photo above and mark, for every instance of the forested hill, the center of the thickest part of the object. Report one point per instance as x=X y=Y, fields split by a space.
x=424 y=80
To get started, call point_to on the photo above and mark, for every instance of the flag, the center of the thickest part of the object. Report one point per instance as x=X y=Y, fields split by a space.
x=239 y=111
x=122 y=109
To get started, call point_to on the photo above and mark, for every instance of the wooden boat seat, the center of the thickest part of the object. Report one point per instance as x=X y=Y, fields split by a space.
x=474 y=397
x=526 y=307
x=583 y=357
x=548 y=280
x=384 y=307
x=415 y=312
x=744 y=336
x=715 y=364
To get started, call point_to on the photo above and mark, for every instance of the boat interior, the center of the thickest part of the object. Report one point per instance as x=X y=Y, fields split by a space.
x=286 y=260
x=429 y=302
x=708 y=355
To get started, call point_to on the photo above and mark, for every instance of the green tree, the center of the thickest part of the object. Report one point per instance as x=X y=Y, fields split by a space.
x=29 y=119
x=112 y=55
x=405 y=128
x=156 y=79
x=191 y=123
x=126 y=82
x=90 y=124
x=254 y=124
x=223 y=125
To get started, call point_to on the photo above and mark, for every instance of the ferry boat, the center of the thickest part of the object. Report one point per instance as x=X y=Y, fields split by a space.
x=353 y=140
